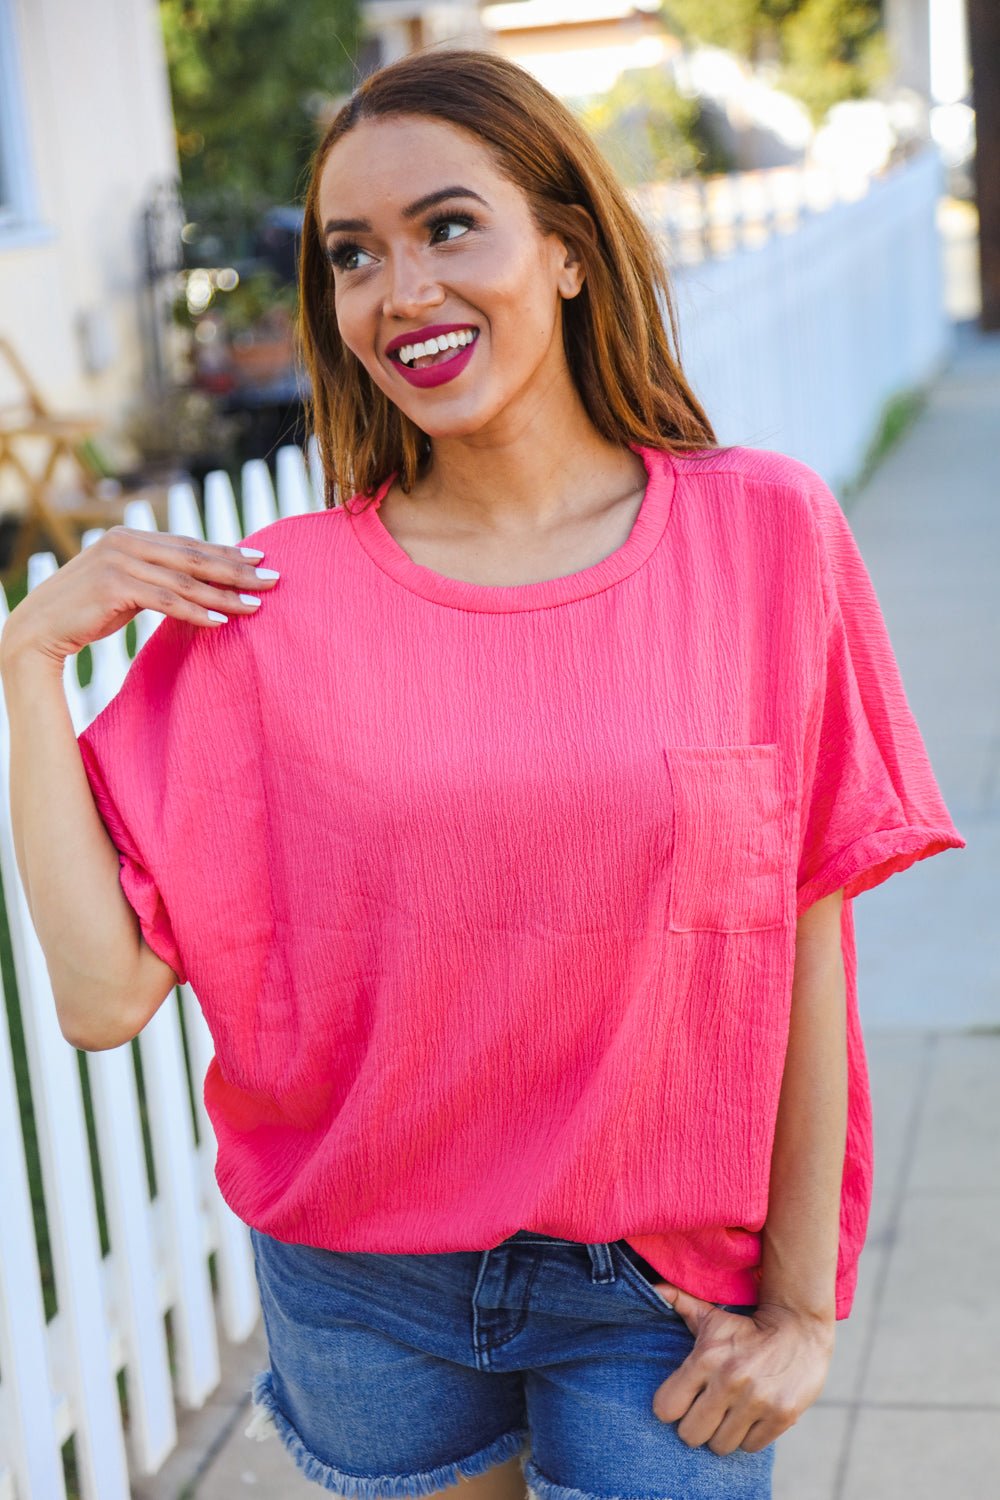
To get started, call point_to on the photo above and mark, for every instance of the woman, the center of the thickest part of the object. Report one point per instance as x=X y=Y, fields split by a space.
x=511 y=850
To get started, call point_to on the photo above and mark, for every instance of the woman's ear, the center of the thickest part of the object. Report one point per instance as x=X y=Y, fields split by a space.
x=579 y=241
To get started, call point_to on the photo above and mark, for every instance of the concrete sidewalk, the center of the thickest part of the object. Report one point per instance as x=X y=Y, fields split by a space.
x=911 y=1408
x=912 y=1404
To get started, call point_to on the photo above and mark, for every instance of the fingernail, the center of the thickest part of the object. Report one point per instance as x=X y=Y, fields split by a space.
x=266 y=572
x=251 y=552
x=213 y=614
x=249 y=599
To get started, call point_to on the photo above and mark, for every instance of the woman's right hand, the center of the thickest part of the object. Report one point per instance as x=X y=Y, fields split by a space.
x=125 y=571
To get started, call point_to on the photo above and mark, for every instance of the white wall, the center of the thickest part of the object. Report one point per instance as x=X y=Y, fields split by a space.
x=93 y=131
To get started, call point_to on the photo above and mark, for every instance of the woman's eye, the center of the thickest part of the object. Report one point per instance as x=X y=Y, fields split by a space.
x=343 y=256
x=462 y=222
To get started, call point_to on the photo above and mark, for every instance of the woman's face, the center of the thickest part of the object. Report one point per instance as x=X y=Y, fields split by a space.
x=427 y=239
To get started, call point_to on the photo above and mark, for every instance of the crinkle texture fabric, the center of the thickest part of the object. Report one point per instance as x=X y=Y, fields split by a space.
x=488 y=893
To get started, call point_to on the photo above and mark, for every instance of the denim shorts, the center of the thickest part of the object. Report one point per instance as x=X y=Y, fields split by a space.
x=394 y=1375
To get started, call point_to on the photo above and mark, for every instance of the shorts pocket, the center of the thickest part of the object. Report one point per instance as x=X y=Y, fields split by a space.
x=731 y=868
x=634 y=1278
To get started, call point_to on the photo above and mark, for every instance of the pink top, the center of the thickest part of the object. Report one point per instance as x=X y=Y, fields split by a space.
x=488 y=893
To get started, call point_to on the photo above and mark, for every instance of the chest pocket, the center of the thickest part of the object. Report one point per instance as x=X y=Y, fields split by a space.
x=731 y=852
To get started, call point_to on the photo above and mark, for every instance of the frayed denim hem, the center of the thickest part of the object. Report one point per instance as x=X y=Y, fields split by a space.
x=267 y=1413
x=540 y=1488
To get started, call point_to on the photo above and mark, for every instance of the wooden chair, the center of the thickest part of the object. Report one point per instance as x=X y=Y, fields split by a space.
x=55 y=513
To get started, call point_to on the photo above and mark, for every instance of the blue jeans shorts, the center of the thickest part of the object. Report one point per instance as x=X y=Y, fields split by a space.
x=394 y=1375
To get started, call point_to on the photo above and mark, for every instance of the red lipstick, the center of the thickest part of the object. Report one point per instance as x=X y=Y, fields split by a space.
x=447 y=369
x=423 y=334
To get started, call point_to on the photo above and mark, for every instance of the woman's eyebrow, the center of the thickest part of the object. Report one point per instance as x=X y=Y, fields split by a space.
x=362 y=226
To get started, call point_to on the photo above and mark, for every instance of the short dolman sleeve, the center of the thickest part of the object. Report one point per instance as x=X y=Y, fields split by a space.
x=870 y=804
x=141 y=755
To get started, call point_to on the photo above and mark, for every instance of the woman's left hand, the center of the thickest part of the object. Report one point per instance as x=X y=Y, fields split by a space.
x=748 y=1378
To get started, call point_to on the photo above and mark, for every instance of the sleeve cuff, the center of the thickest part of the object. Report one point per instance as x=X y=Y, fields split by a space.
x=872 y=859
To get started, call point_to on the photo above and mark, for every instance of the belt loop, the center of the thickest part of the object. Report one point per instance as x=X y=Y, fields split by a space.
x=602 y=1262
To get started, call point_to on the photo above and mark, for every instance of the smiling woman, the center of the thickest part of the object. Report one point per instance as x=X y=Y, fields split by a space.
x=510 y=847
x=425 y=202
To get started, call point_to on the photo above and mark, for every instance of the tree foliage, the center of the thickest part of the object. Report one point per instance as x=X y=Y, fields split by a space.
x=245 y=77
x=649 y=131
x=825 y=50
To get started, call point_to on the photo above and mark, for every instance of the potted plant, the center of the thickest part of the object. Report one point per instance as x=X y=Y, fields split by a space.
x=245 y=335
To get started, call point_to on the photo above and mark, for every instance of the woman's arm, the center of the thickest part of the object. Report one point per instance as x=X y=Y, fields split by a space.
x=748 y=1379
x=801 y=1235
x=106 y=981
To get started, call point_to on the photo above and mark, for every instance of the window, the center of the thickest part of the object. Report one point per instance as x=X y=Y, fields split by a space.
x=17 y=198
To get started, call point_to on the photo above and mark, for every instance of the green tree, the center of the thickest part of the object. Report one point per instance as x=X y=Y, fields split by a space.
x=649 y=131
x=749 y=28
x=246 y=77
x=825 y=50
x=834 y=50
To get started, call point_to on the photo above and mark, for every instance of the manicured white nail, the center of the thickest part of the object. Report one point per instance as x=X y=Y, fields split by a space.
x=249 y=599
x=213 y=614
x=266 y=573
x=251 y=552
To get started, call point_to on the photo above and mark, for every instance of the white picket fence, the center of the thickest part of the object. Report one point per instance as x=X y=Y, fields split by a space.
x=799 y=345
x=59 y=1380
x=701 y=218
x=793 y=346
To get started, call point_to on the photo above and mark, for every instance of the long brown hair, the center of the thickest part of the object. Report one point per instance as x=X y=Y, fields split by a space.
x=615 y=331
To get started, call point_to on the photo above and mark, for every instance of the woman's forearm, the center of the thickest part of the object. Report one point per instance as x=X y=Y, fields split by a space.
x=801 y=1235
x=105 y=980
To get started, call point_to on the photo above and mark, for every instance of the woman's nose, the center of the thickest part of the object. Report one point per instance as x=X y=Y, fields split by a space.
x=410 y=288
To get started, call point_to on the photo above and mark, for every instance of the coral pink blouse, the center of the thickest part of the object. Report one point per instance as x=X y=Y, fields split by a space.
x=488 y=893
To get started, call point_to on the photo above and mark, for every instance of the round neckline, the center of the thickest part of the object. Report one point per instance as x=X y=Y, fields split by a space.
x=502 y=598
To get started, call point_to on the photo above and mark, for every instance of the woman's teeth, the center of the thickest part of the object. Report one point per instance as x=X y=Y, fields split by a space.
x=418 y=356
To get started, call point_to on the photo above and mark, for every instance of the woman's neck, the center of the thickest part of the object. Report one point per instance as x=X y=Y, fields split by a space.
x=524 y=482
x=524 y=517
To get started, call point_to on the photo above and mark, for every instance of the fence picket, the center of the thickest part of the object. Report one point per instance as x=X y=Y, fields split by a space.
x=28 y=1444
x=183 y=514
x=259 y=505
x=222 y=521
x=175 y=1160
x=295 y=492
x=316 y=476
x=238 y=1300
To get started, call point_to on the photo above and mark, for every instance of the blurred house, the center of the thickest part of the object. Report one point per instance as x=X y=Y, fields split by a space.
x=579 y=47
x=394 y=28
x=574 y=47
x=85 y=131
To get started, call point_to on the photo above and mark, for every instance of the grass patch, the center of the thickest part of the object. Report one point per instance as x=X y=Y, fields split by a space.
x=147 y=1139
x=898 y=415
x=15 y=586
x=29 y=1133
x=95 y=1159
x=71 y=1469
